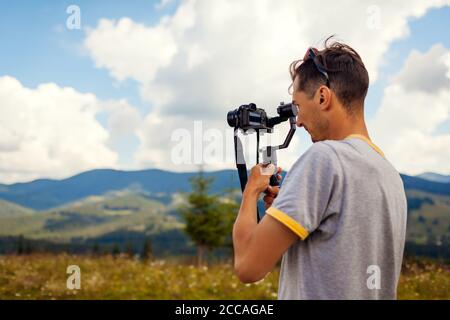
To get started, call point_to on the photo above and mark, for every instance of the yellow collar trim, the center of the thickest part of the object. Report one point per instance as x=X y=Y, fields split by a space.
x=360 y=136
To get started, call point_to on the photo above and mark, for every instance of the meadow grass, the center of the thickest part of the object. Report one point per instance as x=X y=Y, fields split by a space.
x=43 y=276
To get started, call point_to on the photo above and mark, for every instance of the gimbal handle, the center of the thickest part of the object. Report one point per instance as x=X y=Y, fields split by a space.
x=269 y=152
x=269 y=156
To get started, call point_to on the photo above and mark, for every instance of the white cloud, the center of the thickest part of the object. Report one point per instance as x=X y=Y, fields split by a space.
x=211 y=56
x=130 y=50
x=52 y=132
x=123 y=120
x=426 y=72
x=411 y=112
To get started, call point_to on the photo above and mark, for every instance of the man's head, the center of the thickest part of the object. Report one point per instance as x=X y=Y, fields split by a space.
x=326 y=105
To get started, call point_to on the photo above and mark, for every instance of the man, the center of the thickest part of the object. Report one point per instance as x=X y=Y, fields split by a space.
x=339 y=219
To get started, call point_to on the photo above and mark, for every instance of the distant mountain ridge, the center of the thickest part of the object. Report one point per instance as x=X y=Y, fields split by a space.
x=109 y=207
x=436 y=177
x=44 y=194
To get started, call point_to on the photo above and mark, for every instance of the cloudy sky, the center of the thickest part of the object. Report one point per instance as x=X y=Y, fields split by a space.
x=137 y=83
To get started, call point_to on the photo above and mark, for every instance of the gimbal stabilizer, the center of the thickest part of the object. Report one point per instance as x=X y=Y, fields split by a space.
x=249 y=117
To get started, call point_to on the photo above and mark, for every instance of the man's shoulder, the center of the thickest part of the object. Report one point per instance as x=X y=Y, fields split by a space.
x=326 y=150
x=332 y=150
x=320 y=154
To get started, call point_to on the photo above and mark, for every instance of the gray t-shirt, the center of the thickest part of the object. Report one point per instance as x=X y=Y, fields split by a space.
x=347 y=204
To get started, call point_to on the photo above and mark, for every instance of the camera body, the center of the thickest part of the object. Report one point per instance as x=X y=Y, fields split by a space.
x=248 y=116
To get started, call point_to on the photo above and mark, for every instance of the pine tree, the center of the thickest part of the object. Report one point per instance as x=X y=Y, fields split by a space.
x=20 y=245
x=208 y=218
x=147 y=250
x=129 y=249
x=28 y=247
x=96 y=249
x=229 y=209
x=115 y=250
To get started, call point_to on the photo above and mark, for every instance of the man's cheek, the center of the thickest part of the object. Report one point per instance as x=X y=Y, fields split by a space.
x=302 y=121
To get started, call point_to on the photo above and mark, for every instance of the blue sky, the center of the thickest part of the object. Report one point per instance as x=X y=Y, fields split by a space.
x=37 y=48
x=424 y=33
x=35 y=51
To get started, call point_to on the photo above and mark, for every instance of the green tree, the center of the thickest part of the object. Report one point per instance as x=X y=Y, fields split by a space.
x=208 y=217
x=129 y=249
x=96 y=249
x=28 y=247
x=115 y=250
x=20 y=245
x=147 y=250
x=229 y=208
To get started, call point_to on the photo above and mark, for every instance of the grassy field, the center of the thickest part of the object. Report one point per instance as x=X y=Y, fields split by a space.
x=106 y=277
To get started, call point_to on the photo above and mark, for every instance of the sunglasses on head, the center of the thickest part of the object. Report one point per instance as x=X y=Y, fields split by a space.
x=311 y=53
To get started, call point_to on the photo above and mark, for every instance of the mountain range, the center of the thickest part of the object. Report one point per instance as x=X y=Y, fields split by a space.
x=44 y=194
x=111 y=206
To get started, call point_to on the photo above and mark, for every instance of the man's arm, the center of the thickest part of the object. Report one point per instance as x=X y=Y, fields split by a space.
x=257 y=247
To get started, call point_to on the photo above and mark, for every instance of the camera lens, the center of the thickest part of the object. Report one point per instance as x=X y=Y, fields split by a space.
x=232 y=118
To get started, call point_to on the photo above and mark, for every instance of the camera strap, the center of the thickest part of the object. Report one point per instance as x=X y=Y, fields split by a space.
x=241 y=165
x=240 y=160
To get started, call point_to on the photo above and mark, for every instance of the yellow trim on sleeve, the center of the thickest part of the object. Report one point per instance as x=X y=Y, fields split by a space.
x=296 y=227
x=360 y=136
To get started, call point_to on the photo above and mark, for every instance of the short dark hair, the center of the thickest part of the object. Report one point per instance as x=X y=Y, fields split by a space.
x=348 y=77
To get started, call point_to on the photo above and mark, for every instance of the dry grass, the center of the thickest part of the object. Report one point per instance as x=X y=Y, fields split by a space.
x=106 y=277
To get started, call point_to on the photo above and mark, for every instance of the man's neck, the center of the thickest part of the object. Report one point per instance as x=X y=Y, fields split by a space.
x=347 y=126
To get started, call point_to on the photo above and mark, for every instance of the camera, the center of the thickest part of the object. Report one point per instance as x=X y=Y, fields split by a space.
x=250 y=117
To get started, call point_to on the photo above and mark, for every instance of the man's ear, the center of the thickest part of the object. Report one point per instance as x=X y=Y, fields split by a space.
x=324 y=97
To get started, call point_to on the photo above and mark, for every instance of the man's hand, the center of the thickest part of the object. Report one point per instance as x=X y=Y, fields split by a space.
x=259 y=180
x=271 y=193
